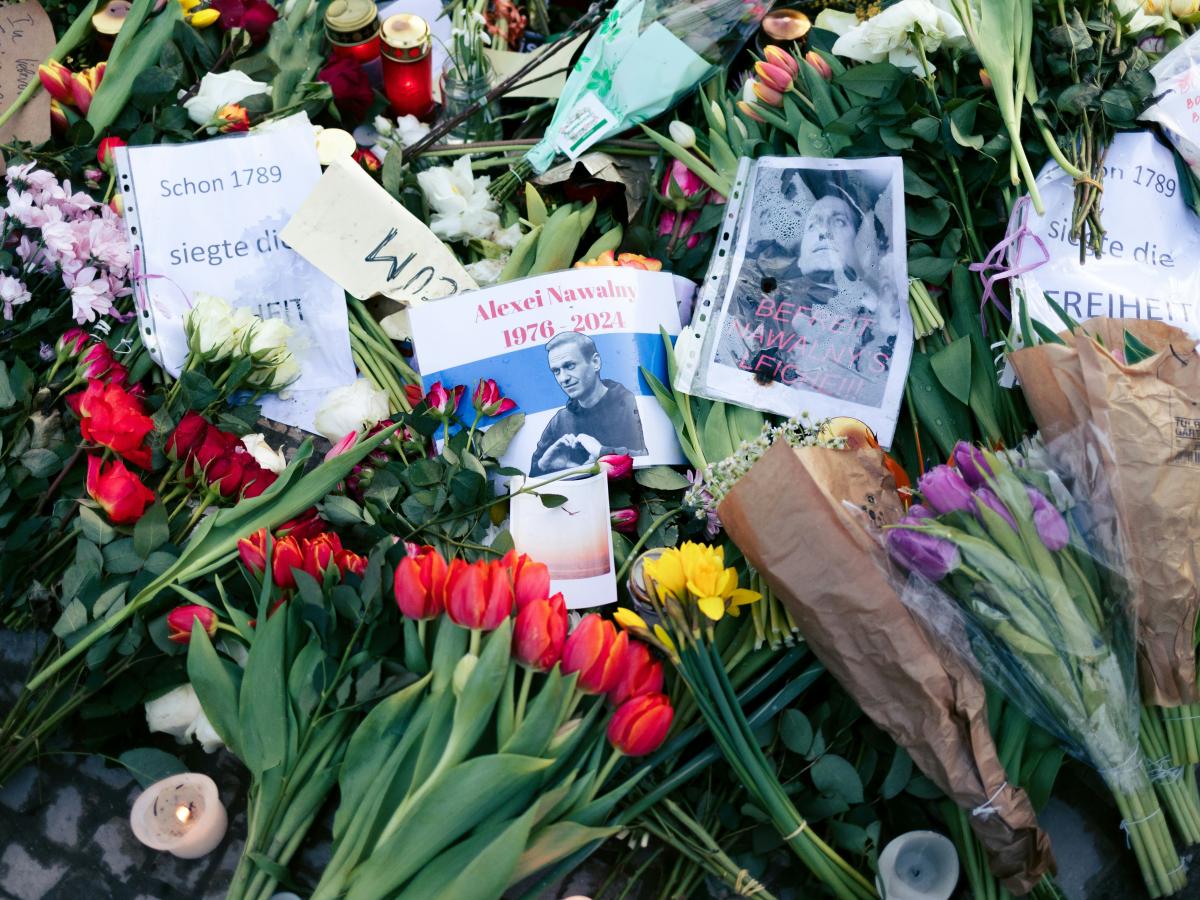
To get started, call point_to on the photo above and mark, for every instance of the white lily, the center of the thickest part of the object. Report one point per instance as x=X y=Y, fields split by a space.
x=890 y=35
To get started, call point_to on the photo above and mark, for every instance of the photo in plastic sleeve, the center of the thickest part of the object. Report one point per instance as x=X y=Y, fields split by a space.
x=814 y=316
x=573 y=539
x=573 y=368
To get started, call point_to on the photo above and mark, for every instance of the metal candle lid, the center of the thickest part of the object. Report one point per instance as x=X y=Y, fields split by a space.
x=408 y=33
x=346 y=18
x=786 y=24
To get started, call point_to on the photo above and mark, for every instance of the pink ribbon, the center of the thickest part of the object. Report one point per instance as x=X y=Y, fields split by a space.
x=141 y=299
x=1004 y=259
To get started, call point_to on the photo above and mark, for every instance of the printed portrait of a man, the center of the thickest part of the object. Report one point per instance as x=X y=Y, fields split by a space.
x=599 y=418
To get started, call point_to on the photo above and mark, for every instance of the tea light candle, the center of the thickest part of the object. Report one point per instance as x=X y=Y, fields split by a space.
x=918 y=865
x=181 y=814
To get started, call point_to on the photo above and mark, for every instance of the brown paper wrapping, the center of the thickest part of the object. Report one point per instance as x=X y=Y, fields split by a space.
x=788 y=517
x=1138 y=426
x=26 y=39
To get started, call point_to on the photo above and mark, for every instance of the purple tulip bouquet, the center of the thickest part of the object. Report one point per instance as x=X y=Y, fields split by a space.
x=1008 y=568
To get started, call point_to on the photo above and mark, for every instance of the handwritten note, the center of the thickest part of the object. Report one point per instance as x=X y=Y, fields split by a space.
x=360 y=236
x=26 y=39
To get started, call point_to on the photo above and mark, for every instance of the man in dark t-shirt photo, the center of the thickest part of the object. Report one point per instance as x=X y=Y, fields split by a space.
x=601 y=415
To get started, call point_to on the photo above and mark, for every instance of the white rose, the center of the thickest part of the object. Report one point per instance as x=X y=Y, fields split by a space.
x=460 y=204
x=210 y=327
x=891 y=35
x=486 y=271
x=268 y=336
x=354 y=407
x=271 y=460
x=218 y=89
x=203 y=732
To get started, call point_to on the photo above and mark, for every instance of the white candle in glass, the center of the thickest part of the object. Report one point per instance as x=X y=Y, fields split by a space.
x=181 y=814
x=918 y=865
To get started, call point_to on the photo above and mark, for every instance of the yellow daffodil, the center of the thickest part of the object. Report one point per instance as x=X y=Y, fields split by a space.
x=629 y=620
x=664 y=639
x=667 y=573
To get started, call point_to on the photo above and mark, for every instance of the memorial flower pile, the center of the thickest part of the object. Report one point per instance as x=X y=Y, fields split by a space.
x=696 y=247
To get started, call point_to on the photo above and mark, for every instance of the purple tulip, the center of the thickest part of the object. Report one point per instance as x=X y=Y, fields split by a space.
x=944 y=489
x=1051 y=526
x=971 y=464
x=917 y=511
x=924 y=554
x=996 y=505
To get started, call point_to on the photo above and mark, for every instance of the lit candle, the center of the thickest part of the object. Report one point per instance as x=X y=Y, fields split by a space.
x=181 y=814
x=918 y=865
x=407 y=65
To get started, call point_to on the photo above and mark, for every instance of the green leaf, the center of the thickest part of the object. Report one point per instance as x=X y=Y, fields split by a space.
x=898 y=775
x=952 y=365
x=392 y=173
x=72 y=619
x=40 y=462
x=499 y=435
x=7 y=397
x=94 y=528
x=555 y=842
x=661 y=478
x=795 y=731
x=151 y=531
x=262 y=704
x=835 y=777
x=217 y=684
x=135 y=48
x=148 y=765
x=551 y=501
x=1135 y=349
x=875 y=80
x=938 y=411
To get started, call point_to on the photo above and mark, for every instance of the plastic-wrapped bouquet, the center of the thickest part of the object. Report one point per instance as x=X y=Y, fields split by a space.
x=1011 y=569
x=644 y=57
x=61 y=247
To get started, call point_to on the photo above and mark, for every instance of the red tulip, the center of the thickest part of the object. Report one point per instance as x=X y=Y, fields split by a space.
x=306 y=525
x=253 y=551
x=56 y=79
x=109 y=416
x=531 y=580
x=320 y=554
x=179 y=622
x=413 y=393
x=420 y=584
x=640 y=674
x=104 y=154
x=285 y=557
x=819 y=65
x=487 y=400
x=776 y=55
x=639 y=726
x=774 y=76
x=616 y=465
x=540 y=632
x=349 y=561
x=186 y=437
x=118 y=491
x=593 y=651
x=84 y=85
x=478 y=595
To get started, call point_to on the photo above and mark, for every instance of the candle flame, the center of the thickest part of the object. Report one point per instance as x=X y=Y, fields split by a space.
x=183 y=813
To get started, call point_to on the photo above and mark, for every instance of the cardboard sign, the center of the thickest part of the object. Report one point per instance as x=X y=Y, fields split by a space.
x=26 y=39
x=206 y=217
x=551 y=73
x=360 y=236
x=569 y=348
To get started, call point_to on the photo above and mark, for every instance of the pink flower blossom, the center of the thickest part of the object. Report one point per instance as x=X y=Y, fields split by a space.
x=91 y=294
x=12 y=293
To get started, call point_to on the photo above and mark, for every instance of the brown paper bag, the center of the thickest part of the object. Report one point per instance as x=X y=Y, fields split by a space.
x=26 y=39
x=1141 y=424
x=787 y=516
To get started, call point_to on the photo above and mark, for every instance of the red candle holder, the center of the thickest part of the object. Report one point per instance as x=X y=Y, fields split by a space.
x=407 y=65
x=352 y=27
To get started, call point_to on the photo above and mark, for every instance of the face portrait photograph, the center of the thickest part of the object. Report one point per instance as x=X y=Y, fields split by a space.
x=600 y=415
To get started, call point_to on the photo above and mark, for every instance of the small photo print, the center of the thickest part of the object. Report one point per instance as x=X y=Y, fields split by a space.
x=573 y=538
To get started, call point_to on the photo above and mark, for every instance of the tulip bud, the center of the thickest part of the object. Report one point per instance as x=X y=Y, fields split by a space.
x=478 y=595
x=540 y=632
x=531 y=580
x=1183 y=8
x=594 y=650
x=683 y=134
x=987 y=497
x=56 y=79
x=253 y=551
x=718 y=114
x=203 y=18
x=420 y=584
x=775 y=77
x=286 y=557
x=639 y=726
x=84 y=85
x=777 y=56
x=930 y=556
x=59 y=123
x=748 y=111
x=179 y=622
x=1051 y=527
x=818 y=63
x=320 y=554
x=971 y=464
x=946 y=491
x=641 y=674
x=985 y=79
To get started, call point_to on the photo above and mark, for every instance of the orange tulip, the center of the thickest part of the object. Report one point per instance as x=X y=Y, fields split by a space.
x=640 y=673
x=594 y=650
x=639 y=726
x=540 y=632
x=776 y=77
x=84 y=85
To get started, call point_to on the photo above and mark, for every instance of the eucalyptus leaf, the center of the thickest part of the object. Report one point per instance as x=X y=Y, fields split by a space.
x=148 y=765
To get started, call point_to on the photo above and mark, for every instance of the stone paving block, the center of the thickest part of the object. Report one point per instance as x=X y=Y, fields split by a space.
x=62 y=816
x=118 y=847
x=20 y=794
x=25 y=877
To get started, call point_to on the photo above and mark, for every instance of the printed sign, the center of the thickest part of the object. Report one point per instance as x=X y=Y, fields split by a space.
x=568 y=348
x=206 y=217
x=360 y=236
x=1152 y=237
x=805 y=305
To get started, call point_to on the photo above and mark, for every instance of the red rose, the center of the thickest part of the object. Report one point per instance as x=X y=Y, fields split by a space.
x=214 y=445
x=118 y=491
x=254 y=16
x=349 y=561
x=109 y=416
x=227 y=473
x=351 y=89
x=256 y=480
x=186 y=437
